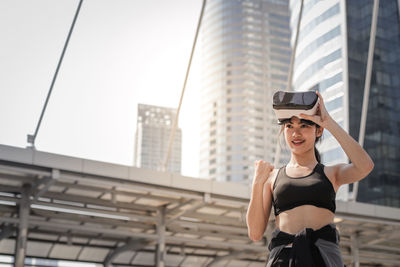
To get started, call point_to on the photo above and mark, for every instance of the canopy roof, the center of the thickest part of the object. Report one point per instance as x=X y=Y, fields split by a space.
x=93 y=211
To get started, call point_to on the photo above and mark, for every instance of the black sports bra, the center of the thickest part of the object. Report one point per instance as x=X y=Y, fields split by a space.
x=314 y=189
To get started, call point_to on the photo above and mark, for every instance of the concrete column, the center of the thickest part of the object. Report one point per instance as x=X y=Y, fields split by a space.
x=355 y=250
x=24 y=208
x=160 y=250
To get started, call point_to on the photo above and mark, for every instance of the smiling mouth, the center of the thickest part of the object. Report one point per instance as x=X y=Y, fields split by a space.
x=296 y=143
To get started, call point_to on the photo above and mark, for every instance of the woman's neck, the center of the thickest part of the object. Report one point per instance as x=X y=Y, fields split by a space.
x=303 y=160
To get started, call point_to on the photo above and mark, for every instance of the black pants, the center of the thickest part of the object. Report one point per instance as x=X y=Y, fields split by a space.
x=282 y=260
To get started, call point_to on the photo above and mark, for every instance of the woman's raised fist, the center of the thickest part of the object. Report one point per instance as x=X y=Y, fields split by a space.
x=262 y=171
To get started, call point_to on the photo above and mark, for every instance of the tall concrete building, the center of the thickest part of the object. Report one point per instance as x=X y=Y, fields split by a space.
x=332 y=57
x=153 y=131
x=246 y=54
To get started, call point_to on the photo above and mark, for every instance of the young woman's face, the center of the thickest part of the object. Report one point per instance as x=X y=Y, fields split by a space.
x=300 y=136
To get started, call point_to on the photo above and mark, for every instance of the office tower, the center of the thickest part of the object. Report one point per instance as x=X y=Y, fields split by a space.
x=246 y=54
x=153 y=131
x=320 y=65
x=332 y=57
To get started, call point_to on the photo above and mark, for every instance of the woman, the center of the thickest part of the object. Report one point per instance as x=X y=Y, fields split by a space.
x=303 y=194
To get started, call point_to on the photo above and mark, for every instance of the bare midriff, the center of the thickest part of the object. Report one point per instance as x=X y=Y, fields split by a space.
x=306 y=216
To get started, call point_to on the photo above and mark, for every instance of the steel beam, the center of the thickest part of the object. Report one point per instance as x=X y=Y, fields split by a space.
x=126 y=216
x=218 y=234
x=182 y=260
x=96 y=188
x=100 y=202
x=82 y=228
x=9 y=189
x=15 y=178
x=83 y=219
x=131 y=245
x=43 y=185
x=16 y=168
x=24 y=208
x=6 y=231
x=212 y=227
x=232 y=221
x=195 y=206
x=179 y=206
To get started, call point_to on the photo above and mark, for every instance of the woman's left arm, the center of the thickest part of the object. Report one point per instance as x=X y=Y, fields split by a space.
x=361 y=163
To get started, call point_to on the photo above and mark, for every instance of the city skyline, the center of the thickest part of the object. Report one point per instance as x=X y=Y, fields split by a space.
x=96 y=193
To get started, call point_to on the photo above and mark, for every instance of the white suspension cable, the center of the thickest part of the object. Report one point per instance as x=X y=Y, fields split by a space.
x=32 y=138
x=175 y=124
x=290 y=77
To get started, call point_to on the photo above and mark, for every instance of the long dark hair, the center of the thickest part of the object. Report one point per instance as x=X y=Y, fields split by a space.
x=317 y=139
x=316 y=152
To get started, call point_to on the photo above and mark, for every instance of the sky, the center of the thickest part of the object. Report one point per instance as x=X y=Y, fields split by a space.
x=121 y=53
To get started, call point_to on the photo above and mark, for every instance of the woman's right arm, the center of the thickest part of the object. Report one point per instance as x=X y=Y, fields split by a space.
x=260 y=201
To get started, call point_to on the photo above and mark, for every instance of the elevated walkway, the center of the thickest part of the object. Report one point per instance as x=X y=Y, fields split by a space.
x=59 y=207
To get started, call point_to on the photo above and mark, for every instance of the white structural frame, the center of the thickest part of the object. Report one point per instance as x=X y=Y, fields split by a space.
x=114 y=214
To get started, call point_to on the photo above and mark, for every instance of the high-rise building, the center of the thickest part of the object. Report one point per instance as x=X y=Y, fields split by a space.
x=246 y=54
x=320 y=64
x=331 y=57
x=153 y=131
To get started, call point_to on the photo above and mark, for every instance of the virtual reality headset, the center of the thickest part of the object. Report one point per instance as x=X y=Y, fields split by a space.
x=289 y=104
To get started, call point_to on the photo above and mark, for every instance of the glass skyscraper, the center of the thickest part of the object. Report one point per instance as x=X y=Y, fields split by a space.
x=332 y=57
x=246 y=54
x=382 y=137
x=320 y=64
